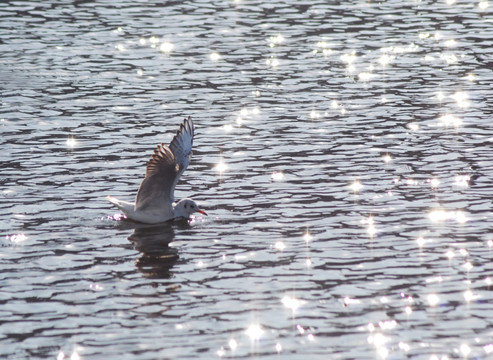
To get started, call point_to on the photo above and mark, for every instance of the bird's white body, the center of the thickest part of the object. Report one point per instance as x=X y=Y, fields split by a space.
x=181 y=210
x=155 y=199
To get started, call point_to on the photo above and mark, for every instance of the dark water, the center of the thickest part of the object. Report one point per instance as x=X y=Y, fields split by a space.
x=343 y=151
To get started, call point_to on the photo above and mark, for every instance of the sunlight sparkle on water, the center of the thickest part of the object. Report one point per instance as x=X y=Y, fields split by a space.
x=214 y=56
x=166 y=47
x=387 y=325
x=221 y=167
x=117 y=217
x=470 y=296
x=387 y=158
x=449 y=58
x=154 y=40
x=349 y=58
x=356 y=186
x=254 y=332
x=434 y=182
x=307 y=236
x=221 y=352
x=350 y=301
x=276 y=40
x=16 y=238
x=244 y=111
x=404 y=346
x=440 y=215
x=465 y=350
x=280 y=246
x=314 y=114
x=228 y=127
x=385 y=59
x=277 y=176
x=278 y=348
x=95 y=287
x=434 y=279
x=462 y=180
x=450 y=43
x=272 y=61
x=483 y=5
x=432 y=299
x=464 y=252
x=71 y=142
x=365 y=76
x=325 y=48
x=379 y=340
x=371 y=230
x=232 y=344
x=468 y=266
x=462 y=99
x=413 y=126
x=292 y=303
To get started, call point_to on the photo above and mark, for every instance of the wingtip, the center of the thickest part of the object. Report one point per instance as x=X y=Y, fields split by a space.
x=186 y=126
x=188 y=121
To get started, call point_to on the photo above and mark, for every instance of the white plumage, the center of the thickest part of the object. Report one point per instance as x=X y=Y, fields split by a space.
x=154 y=202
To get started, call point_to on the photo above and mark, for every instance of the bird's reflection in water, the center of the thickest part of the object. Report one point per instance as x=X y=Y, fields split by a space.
x=157 y=257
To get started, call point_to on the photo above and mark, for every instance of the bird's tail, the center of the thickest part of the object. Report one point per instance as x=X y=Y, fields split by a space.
x=125 y=206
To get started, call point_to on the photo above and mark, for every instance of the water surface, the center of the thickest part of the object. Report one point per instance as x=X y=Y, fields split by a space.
x=342 y=151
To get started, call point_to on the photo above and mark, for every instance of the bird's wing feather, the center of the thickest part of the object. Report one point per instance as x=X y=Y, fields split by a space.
x=156 y=192
x=181 y=146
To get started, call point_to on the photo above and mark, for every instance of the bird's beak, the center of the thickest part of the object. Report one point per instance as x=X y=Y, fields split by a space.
x=202 y=212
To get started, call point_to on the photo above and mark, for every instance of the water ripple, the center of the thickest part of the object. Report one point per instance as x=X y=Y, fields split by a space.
x=342 y=152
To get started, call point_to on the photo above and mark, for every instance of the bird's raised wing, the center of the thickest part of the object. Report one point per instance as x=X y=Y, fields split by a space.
x=181 y=146
x=156 y=192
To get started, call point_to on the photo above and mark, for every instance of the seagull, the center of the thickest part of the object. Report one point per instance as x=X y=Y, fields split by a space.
x=155 y=199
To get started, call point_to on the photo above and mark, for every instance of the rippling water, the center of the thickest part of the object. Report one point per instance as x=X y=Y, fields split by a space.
x=343 y=151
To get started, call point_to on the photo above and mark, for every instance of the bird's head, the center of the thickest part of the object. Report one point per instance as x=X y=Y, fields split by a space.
x=186 y=207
